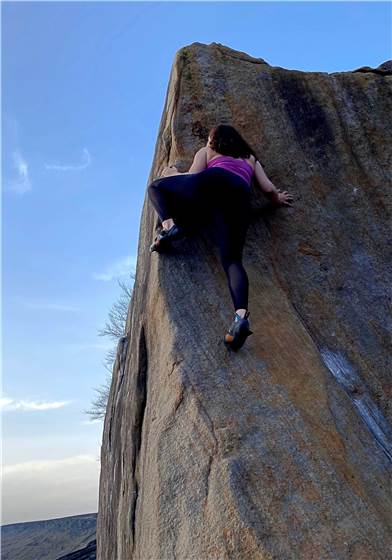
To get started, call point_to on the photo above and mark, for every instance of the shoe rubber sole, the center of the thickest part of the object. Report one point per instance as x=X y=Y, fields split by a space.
x=165 y=237
x=237 y=335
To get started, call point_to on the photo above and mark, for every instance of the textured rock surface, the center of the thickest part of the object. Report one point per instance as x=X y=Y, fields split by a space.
x=283 y=450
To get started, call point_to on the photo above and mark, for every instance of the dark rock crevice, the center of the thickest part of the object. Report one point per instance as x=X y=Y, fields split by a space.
x=140 y=403
x=117 y=379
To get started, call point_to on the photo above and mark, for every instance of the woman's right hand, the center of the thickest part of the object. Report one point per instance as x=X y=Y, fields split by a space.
x=284 y=198
x=170 y=170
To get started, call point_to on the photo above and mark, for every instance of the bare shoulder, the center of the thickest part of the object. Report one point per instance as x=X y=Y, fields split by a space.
x=210 y=153
x=252 y=160
x=202 y=152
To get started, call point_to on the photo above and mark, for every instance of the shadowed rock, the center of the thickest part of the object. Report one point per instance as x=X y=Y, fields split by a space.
x=86 y=553
x=283 y=450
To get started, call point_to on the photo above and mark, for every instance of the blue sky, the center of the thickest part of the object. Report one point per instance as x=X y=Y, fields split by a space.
x=83 y=91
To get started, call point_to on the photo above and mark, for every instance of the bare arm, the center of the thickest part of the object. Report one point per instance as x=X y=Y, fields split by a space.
x=199 y=164
x=265 y=183
x=199 y=161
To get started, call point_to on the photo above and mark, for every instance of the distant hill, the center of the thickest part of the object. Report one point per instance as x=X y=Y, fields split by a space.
x=87 y=553
x=49 y=539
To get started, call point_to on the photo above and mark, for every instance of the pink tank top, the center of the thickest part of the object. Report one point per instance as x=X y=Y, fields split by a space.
x=236 y=165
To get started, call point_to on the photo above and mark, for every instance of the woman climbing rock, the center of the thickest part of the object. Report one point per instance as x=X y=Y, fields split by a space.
x=216 y=190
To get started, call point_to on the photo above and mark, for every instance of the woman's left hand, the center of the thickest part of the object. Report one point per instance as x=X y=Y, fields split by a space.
x=285 y=198
x=171 y=170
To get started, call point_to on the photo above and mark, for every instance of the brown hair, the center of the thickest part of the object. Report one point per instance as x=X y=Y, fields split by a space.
x=226 y=140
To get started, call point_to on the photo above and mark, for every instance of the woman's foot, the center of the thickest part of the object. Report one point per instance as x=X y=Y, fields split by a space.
x=165 y=237
x=167 y=224
x=238 y=332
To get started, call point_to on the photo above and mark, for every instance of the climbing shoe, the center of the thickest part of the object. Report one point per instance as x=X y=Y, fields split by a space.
x=238 y=332
x=165 y=237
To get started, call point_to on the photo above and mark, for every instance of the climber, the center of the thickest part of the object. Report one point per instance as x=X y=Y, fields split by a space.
x=216 y=190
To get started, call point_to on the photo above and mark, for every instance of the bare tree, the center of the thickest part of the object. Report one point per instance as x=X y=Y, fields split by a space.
x=115 y=326
x=98 y=410
x=115 y=329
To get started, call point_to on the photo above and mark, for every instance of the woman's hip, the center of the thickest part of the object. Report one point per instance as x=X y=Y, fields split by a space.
x=219 y=178
x=185 y=186
x=225 y=189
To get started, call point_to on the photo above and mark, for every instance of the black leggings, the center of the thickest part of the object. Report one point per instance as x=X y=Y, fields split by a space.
x=218 y=198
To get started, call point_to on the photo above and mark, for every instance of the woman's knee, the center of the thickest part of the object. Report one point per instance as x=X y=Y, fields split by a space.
x=230 y=261
x=160 y=181
x=153 y=185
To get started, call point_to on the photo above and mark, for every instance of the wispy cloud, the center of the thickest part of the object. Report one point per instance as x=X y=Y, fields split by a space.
x=21 y=183
x=8 y=404
x=50 y=464
x=122 y=267
x=95 y=421
x=17 y=177
x=51 y=306
x=86 y=161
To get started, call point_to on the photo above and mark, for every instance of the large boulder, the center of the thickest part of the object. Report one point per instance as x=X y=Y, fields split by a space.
x=283 y=449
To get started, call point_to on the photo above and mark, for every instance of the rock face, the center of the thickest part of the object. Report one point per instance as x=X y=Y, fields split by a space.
x=282 y=450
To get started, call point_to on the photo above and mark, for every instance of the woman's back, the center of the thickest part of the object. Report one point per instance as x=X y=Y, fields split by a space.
x=242 y=167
